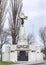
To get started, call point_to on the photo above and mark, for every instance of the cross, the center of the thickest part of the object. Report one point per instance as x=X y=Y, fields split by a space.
x=22 y=17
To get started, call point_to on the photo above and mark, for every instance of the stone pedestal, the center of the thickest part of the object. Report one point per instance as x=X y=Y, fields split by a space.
x=22 y=40
x=13 y=53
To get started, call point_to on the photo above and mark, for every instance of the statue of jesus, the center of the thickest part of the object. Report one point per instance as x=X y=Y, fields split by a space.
x=22 y=17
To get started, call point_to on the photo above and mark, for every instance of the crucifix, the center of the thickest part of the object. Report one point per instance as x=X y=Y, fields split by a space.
x=22 y=17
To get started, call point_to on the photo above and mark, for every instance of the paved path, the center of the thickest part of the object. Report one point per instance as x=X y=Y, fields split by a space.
x=29 y=63
x=41 y=64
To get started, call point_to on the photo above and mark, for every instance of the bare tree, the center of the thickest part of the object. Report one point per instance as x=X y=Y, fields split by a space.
x=13 y=25
x=42 y=32
x=3 y=35
x=30 y=38
x=0 y=18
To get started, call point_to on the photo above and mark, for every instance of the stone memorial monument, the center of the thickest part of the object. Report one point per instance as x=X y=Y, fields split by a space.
x=22 y=51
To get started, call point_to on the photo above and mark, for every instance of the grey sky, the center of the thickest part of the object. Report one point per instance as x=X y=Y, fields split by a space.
x=36 y=12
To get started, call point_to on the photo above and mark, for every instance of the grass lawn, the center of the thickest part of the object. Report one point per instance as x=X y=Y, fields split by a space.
x=7 y=63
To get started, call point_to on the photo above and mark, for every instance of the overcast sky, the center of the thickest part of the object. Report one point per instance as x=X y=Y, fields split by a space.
x=36 y=12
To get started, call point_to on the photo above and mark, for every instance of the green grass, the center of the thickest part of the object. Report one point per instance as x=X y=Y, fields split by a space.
x=7 y=63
